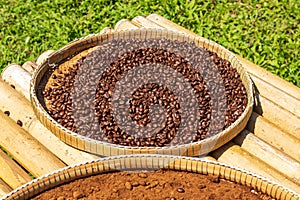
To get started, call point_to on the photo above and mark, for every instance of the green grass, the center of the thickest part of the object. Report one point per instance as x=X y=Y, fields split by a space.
x=267 y=34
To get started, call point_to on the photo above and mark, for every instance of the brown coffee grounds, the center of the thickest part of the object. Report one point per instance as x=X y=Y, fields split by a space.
x=165 y=185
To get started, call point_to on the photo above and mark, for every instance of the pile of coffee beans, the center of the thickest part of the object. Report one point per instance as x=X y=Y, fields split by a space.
x=153 y=92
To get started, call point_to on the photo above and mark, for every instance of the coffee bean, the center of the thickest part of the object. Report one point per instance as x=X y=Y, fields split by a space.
x=180 y=190
x=7 y=112
x=20 y=123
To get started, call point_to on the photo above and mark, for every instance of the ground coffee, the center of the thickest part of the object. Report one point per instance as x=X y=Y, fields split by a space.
x=163 y=185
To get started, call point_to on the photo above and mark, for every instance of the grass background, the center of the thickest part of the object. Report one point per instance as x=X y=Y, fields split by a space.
x=266 y=33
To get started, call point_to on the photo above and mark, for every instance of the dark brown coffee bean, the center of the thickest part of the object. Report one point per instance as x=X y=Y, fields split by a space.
x=7 y=112
x=20 y=123
x=180 y=190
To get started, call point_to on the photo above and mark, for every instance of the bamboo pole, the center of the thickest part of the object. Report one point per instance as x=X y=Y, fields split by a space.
x=271 y=79
x=252 y=68
x=4 y=188
x=234 y=155
x=29 y=66
x=269 y=133
x=20 y=109
x=43 y=57
x=270 y=155
x=11 y=173
x=106 y=30
x=17 y=77
x=25 y=149
x=278 y=116
x=143 y=22
x=124 y=24
x=282 y=99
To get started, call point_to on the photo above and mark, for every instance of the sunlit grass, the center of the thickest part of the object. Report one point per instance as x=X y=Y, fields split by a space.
x=266 y=33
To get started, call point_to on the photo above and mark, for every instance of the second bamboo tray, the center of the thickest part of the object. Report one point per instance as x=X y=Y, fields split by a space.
x=146 y=163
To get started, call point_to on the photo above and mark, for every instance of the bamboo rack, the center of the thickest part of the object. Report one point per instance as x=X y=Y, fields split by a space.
x=268 y=146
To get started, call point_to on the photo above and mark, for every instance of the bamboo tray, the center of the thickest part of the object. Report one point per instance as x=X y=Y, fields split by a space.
x=268 y=146
x=151 y=162
x=106 y=149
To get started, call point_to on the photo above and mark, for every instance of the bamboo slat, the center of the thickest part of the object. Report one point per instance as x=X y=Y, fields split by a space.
x=270 y=155
x=29 y=66
x=25 y=149
x=4 y=188
x=22 y=80
x=271 y=134
x=234 y=155
x=43 y=56
x=11 y=173
x=21 y=109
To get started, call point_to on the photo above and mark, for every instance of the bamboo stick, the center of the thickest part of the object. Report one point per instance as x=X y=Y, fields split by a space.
x=11 y=173
x=277 y=115
x=274 y=136
x=25 y=149
x=236 y=156
x=29 y=66
x=143 y=22
x=270 y=155
x=271 y=79
x=252 y=68
x=290 y=104
x=4 y=188
x=124 y=24
x=20 y=109
x=16 y=76
x=43 y=57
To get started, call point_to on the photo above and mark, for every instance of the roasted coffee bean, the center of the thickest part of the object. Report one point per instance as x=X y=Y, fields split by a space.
x=20 y=123
x=180 y=190
x=89 y=112
x=7 y=112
